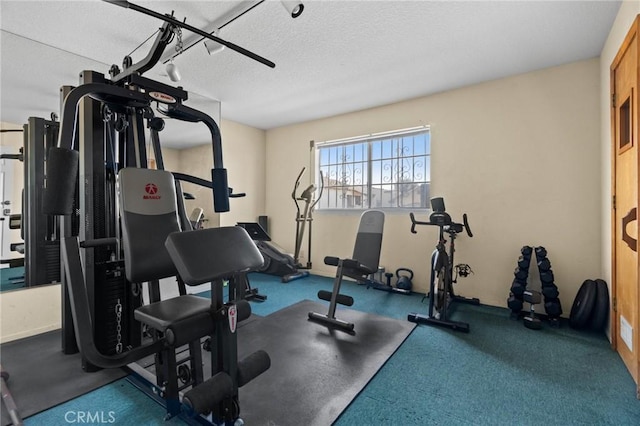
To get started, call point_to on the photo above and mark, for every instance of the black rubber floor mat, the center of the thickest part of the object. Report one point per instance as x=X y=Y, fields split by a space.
x=315 y=372
x=41 y=376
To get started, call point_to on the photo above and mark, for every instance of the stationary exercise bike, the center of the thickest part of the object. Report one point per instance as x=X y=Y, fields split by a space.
x=441 y=285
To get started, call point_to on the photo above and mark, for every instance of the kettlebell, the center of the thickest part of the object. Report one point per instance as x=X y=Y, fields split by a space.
x=404 y=281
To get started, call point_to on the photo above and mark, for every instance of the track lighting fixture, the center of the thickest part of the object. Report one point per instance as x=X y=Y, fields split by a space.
x=172 y=71
x=212 y=46
x=295 y=8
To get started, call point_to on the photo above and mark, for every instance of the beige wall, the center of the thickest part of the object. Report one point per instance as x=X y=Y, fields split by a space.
x=520 y=155
x=197 y=162
x=244 y=157
x=626 y=15
x=28 y=312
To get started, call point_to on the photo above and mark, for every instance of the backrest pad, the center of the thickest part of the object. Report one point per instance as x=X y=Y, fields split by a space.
x=369 y=239
x=148 y=211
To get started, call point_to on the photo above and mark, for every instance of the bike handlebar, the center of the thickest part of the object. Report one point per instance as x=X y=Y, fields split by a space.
x=452 y=225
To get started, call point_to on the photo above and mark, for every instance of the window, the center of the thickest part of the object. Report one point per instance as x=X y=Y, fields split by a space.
x=384 y=170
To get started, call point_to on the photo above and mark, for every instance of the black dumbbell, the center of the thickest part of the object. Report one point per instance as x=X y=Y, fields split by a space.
x=550 y=291
x=517 y=288
x=541 y=253
x=531 y=321
x=514 y=303
x=526 y=250
x=521 y=274
x=544 y=265
x=553 y=308
x=547 y=277
x=523 y=262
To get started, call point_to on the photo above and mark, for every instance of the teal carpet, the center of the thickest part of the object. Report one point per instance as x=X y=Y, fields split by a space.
x=501 y=373
x=11 y=278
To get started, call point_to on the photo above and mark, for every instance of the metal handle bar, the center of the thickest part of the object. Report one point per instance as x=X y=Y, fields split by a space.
x=465 y=224
x=415 y=222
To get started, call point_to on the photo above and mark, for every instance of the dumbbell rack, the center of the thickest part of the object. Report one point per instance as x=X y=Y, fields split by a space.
x=552 y=305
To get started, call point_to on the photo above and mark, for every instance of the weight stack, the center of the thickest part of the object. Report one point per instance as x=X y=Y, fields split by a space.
x=515 y=301
x=111 y=287
x=549 y=289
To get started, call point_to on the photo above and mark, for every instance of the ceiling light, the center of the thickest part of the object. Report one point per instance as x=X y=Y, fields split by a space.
x=212 y=46
x=172 y=71
x=295 y=8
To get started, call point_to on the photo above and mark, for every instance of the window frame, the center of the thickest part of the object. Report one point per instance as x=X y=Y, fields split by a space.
x=367 y=162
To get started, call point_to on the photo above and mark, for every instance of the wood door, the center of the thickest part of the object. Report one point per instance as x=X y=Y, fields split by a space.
x=625 y=319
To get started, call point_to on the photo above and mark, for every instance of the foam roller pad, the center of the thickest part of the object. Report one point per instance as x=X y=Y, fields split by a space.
x=206 y=396
x=342 y=299
x=62 y=173
x=252 y=366
x=244 y=310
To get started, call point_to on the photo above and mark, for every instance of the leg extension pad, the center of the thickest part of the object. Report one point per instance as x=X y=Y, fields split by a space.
x=252 y=366
x=206 y=396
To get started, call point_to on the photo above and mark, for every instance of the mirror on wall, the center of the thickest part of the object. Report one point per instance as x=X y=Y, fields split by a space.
x=32 y=75
x=11 y=184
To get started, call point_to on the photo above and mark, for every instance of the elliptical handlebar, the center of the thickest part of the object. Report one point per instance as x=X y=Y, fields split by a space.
x=321 y=191
x=442 y=220
x=295 y=189
x=466 y=225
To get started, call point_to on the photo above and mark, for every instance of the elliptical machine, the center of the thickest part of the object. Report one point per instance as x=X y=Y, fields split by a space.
x=441 y=293
x=304 y=215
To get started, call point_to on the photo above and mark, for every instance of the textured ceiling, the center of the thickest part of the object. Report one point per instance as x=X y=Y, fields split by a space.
x=339 y=56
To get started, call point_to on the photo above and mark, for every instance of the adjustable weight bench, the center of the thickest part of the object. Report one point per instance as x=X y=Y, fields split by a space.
x=364 y=262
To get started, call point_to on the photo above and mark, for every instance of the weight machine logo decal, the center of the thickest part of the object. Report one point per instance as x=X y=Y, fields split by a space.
x=233 y=318
x=152 y=190
x=163 y=97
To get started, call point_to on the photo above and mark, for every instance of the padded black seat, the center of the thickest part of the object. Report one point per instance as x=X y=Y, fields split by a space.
x=161 y=315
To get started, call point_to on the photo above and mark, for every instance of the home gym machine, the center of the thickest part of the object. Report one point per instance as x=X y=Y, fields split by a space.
x=102 y=150
x=303 y=216
x=441 y=293
x=40 y=232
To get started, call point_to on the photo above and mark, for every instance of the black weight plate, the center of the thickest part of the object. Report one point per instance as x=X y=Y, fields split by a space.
x=601 y=307
x=583 y=304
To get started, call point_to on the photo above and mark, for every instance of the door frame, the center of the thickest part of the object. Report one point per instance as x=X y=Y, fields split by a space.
x=633 y=33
